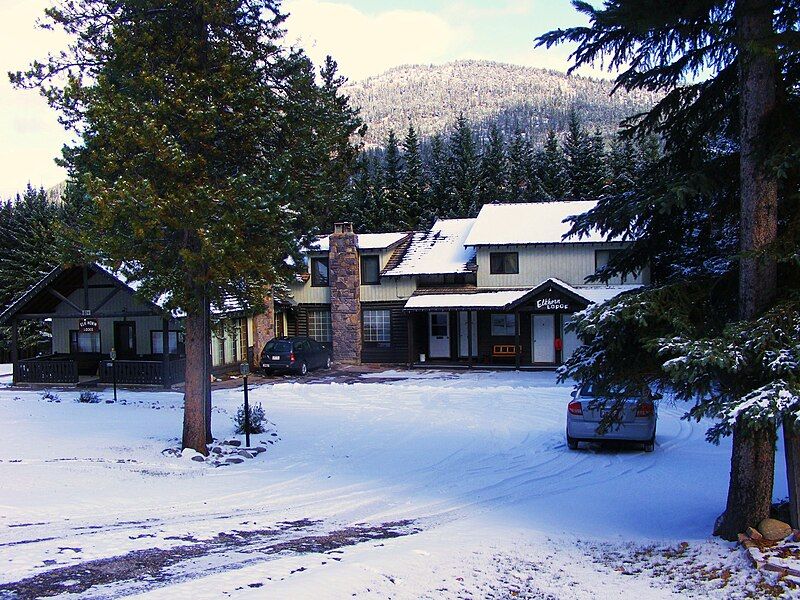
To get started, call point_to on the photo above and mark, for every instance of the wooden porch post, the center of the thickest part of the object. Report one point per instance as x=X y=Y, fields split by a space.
x=165 y=354
x=516 y=340
x=469 y=339
x=410 y=323
x=14 y=349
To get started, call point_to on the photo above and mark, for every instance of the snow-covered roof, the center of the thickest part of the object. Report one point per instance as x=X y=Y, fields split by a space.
x=489 y=299
x=529 y=223
x=366 y=241
x=596 y=294
x=438 y=251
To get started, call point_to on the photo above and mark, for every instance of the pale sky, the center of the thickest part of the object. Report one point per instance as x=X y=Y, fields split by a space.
x=366 y=37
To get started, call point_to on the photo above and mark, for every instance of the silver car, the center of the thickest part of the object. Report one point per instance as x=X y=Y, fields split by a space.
x=636 y=421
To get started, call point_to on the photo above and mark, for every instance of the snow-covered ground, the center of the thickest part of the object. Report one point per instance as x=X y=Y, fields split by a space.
x=440 y=485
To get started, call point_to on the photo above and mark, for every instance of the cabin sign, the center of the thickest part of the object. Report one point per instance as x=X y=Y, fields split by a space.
x=551 y=303
x=88 y=326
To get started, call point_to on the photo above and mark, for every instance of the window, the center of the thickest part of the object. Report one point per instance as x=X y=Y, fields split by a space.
x=602 y=258
x=377 y=326
x=157 y=345
x=504 y=324
x=319 y=272
x=504 y=263
x=84 y=341
x=370 y=270
x=319 y=325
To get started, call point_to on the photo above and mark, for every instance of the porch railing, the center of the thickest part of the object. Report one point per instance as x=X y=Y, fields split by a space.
x=46 y=370
x=142 y=372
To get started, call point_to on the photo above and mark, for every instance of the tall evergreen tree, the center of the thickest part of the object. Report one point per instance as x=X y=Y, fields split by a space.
x=713 y=336
x=597 y=172
x=201 y=151
x=494 y=168
x=392 y=210
x=522 y=179
x=465 y=173
x=551 y=168
x=577 y=150
x=413 y=181
x=440 y=196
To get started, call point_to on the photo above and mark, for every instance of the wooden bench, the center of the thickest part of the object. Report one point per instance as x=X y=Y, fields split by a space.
x=504 y=351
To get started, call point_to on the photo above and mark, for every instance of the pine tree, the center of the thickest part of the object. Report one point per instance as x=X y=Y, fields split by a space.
x=494 y=168
x=577 y=151
x=392 y=210
x=520 y=168
x=201 y=150
x=551 y=168
x=465 y=176
x=622 y=164
x=440 y=196
x=723 y=135
x=413 y=181
x=597 y=172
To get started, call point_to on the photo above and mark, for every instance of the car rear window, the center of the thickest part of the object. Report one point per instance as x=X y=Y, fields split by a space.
x=278 y=346
x=587 y=391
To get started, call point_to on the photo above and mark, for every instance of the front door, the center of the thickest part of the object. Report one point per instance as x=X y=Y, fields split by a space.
x=125 y=339
x=439 y=335
x=463 y=340
x=543 y=332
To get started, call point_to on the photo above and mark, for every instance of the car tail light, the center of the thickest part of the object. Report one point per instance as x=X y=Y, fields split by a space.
x=645 y=409
x=575 y=408
x=291 y=357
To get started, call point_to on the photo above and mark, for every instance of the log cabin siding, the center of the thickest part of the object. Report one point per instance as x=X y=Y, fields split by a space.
x=396 y=350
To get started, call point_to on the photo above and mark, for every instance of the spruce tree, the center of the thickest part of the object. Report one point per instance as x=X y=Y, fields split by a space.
x=392 y=211
x=465 y=173
x=494 y=168
x=413 y=181
x=551 y=169
x=597 y=172
x=201 y=149
x=729 y=138
x=577 y=150
x=440 y=193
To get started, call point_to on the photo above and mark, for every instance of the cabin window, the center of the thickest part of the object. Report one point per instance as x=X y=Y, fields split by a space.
x=319 y=325
x=504 y=263
x=377 y=325
x=370 y=270
x=84 y=341
x=319 y=272
x=602 y=258
x=157 y=341
x=504 y=324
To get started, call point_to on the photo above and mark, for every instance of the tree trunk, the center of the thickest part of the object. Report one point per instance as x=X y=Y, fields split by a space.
x=753 y=455
x=197 y=377
x=750 y=490
x=207 y=370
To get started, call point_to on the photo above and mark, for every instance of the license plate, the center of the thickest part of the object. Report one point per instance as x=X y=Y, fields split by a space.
x=276 y=358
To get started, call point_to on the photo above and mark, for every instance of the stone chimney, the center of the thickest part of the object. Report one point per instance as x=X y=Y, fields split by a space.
x=345 y=288
x=263 y=327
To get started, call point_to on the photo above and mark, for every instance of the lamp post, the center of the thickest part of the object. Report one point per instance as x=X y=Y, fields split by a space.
x=113 y=356
x=244 y=369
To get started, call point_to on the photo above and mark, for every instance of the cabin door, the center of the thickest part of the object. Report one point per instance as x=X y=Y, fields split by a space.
x=543 y=332
x=125 y=339
x=439 y=346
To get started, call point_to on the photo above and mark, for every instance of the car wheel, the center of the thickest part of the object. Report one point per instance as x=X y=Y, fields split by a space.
x=328 y=363
x=303 y=369
x=572 y=443
x=650 y=445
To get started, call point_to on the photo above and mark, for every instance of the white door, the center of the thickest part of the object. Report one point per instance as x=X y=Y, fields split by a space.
x=463 y=340
x=571 y=340
x=439 y=335
x=543 y=331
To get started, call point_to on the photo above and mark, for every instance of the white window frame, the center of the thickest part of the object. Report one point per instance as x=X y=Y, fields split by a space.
x=377 y=325
x=507 y=328
x=319 y=325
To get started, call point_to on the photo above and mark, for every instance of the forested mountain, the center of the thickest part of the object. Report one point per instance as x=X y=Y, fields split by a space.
x=529 y=99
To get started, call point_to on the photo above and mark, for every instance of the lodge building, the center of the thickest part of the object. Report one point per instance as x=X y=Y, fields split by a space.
x=494 y=291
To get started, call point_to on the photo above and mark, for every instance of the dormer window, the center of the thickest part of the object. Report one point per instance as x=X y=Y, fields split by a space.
x=319 y=272
x=370 y=269
x=504 y=263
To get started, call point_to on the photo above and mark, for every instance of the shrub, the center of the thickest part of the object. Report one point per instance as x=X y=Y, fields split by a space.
x=88 y=397
x=256 y=418
x=51 y=396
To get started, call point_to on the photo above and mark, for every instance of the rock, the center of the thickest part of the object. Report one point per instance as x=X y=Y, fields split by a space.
x=234 y=460
x=774 y=530
x=245 y=453
x=753 y=534
x=199 y=458
x=232 y=443
x=259 y=449
x=216 y=450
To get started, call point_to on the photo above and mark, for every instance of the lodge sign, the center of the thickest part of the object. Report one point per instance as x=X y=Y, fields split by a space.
x=552 y=303
x=88 y=326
